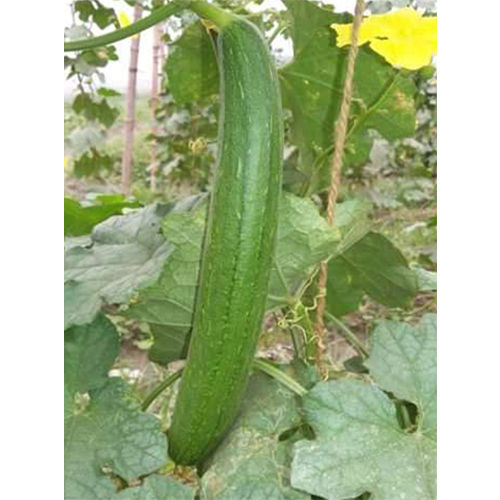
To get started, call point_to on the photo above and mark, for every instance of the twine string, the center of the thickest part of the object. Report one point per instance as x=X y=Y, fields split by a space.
x=340 y=131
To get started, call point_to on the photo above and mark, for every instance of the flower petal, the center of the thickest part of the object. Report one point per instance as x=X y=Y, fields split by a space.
x=403 y=37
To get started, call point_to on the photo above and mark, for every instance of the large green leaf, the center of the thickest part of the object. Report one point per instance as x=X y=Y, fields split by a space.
x=91 y=163
x=89 y=353
x=93 y=109
x=304 y=239
x=80 y=220
x=352 y=217
x=192 y=67
x=168 y=304
x=427 y=280
x=312 y=86
x=343 y=293
x=252 y=463
x=403 y=361
x=359 y=445
x=157 y=488
x=110 y=436
x=105 y=433
x=373 y=265
x=126 y=252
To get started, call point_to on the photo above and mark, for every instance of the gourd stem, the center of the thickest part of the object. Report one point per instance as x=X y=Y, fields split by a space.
x=280 y=376
x=208 y=11
x=349 y=336
x=155 y=17
x=160 y=388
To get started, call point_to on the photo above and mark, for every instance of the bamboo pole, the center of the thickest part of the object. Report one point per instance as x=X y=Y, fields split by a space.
x=154 y=102
x=128 y=142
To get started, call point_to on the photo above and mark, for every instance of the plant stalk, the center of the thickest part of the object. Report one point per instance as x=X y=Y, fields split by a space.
x=280 y=376
x=157 y=16
x=259 y=364
x=160 y=388
x=298 y=351
x=310 y=346
x=349 y=335
x=209 y=11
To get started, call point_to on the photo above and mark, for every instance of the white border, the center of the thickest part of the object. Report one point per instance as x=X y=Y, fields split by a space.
x=469 y=250
x=31 y=367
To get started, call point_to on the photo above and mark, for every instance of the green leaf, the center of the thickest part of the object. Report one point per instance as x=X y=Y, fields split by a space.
x=344 y=293
x=252 y=462
x=373 y=265
x=355 y=365
x=89 y=353
x=80 y=102
x=352 y=217
x=107 y=92
x=86 y=139
x=104 y=17
x=79 y=220
x=101 y=15
x=76 y=32
x=168 y=304
x=403 y=361
x=105 y=432
x=304 y=238
x=84 y=8
x=192 y=68
x=126 y=252
x=157 y=488
x=104 y=113
x=427 y=280
x=110 y=436
x=90 y=164
x=85 y=104
x=359 y=445
x=93 y=57
x=312 y=86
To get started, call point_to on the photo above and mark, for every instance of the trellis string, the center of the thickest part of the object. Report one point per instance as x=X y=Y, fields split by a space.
x=340 y=131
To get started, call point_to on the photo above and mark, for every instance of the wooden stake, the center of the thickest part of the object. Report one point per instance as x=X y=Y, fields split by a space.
x=128 y=139
x=154 y=101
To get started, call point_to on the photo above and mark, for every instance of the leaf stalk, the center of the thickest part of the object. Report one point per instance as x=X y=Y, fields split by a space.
x=160 y=388
x=259 y=364
x=280 y=376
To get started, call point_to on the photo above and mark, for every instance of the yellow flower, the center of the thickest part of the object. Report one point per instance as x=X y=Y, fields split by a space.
x=404 y=37
x=123 y=19
x=65 y=162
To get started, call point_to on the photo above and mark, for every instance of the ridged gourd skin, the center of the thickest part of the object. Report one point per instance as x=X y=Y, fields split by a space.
x=238 y=247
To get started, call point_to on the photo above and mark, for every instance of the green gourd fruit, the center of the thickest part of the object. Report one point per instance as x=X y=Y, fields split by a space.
x=239 y=241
